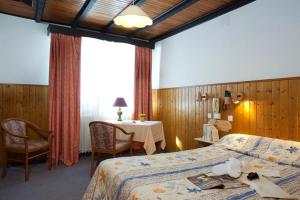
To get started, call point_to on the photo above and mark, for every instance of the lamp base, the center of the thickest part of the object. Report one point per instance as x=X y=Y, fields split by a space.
x=120 y=114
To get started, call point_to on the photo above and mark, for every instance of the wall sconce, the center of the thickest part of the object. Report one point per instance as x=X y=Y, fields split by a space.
x=236 y=98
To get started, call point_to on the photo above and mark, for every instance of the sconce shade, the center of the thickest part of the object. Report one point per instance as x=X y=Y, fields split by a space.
x=237 y=98
x=120 y=102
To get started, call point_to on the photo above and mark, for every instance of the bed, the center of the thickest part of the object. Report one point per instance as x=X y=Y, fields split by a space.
x=164 y=176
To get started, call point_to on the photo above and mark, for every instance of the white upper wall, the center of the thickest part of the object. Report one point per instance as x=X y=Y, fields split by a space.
x=24 y=51
x=258 y=41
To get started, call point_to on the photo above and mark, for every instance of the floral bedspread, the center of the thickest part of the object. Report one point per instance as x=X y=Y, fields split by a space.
x=164 y=176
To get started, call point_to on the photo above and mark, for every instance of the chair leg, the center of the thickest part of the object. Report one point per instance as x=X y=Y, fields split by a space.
x=5 y=163
x=26 y=167
x=49 y=161
x=92 y=164
x=114 y=155
x=130 y=152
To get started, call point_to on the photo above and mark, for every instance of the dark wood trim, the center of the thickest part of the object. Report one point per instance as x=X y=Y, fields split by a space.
x=172 y=11
x=111 y=24
x=216 y=13
x=87 y=6
x=234 y=82
x=24 y=84
x=27 y=2
x=39 y=10
x=99 y=35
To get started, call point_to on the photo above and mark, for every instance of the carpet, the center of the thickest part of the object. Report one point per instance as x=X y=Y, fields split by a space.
x=61 y=183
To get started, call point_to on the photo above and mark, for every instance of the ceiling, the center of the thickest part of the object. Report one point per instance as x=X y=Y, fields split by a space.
x=94 y=18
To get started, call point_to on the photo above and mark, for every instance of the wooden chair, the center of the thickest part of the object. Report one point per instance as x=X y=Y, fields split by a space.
x=103 y=140
x=19 y=147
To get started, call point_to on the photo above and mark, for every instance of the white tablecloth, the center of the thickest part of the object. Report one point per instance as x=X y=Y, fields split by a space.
x=148 y=132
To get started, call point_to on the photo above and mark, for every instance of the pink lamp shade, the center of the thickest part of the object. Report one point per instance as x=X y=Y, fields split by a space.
x=120 y=102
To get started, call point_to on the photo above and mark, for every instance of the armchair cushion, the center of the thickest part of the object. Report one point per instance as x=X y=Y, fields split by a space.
x=102 y=135
x=122 y=145
x=17 y=128
x=33 y=145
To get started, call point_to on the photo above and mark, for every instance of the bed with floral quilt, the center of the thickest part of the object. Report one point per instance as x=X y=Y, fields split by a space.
x=165 y=176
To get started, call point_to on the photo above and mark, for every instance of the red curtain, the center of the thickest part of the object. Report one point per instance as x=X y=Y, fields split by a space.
x=142 y=83
x=64 y=98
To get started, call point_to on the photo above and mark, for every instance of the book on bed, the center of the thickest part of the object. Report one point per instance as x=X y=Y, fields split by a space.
x=205 y=182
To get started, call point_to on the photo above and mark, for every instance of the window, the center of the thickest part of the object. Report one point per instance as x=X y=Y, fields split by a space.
x=107 y=72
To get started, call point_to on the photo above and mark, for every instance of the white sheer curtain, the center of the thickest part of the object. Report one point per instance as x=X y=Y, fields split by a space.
x=107 y=72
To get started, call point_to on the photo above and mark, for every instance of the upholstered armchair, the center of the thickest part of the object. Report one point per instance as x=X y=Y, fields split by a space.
x=19 y=147
x=103 y=140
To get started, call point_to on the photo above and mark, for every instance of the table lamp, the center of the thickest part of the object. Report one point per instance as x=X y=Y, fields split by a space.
x=120 y=102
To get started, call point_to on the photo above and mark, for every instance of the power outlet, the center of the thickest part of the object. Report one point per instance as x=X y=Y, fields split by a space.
x=230 y=118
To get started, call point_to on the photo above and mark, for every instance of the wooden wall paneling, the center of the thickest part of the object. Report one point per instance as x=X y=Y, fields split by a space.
x=154 y=104
x=267 y=110
x=187 y=120
x=298 y=136
x=240 y=109
x=186 y=117
x=246 y=108
x=253 y=105
x=181 y=137
x=293 y=110
x=276 y=109
x=178 y=114
x=233 y=88
x=193 y=114
x=260 y=108
x=205 y=105
x=168 y=113
x=270 y=108
x=219 y=93
x=209 y=102
x=284 y=105
x=202 y=113
x=179 y=117
x=172 y=113
x=191 y=117
x=224 y=112
x=29 y=102
x=198 y=113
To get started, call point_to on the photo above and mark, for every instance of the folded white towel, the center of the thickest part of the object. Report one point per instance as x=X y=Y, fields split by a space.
x=232 y=167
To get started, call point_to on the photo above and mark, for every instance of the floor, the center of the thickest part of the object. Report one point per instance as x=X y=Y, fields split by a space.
x=61 y=183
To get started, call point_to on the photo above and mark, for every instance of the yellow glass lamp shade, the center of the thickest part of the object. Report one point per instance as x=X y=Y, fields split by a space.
x=133 y=16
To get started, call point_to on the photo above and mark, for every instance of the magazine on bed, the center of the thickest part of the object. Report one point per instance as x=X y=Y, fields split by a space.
x=205 y=182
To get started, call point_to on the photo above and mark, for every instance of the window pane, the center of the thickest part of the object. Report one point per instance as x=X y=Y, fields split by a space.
x=107 y=72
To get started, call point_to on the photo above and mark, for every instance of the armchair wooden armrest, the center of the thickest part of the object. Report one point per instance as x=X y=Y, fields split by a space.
x=131 y=135
x=126 y=133
x=39 y=131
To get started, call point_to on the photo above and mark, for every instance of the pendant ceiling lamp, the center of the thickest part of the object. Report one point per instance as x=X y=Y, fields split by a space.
x=133 y=16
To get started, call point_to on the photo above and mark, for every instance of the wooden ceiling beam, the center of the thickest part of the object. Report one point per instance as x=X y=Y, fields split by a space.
x=165 y=15
x=111 y=24
x=39 y=10
x=87 y=6
x=204 y=18
x=27 y=2
x=98 y=35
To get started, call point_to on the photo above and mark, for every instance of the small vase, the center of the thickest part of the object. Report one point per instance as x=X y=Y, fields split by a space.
x=142 y=117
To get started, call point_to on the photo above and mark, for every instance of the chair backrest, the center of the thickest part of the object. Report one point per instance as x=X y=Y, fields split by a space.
x=16 y=127
x=103 y=135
